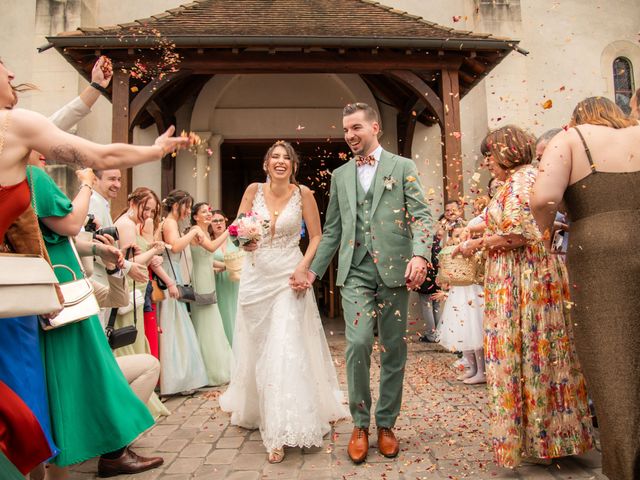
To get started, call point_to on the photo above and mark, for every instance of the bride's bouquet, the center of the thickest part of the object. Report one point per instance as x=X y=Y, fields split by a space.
x=248 y=227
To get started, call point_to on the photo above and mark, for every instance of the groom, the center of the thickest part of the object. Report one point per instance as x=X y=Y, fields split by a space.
x=378 y=218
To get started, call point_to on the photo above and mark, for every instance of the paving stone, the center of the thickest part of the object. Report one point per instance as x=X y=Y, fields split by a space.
x=253 y=447
x=150 y=441
x=211 y=472
x=249 y=461
x=199 y=450
x=234 y=431
x=163 y=430
x=230 y=442
x=254 y=475
x=184 y=465
x=173 y=445
x=221 y=457
x=195 y=421
x=207 y=436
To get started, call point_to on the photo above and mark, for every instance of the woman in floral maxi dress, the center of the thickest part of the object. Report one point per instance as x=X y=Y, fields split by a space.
x=537 y=394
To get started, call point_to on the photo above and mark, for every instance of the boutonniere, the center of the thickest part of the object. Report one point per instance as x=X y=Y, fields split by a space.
x=389 y=182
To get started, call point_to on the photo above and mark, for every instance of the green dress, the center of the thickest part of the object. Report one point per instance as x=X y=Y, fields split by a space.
x=93 y=409
x=8 y=469
x=227 y=293
x=141 y=345
x=207 y=321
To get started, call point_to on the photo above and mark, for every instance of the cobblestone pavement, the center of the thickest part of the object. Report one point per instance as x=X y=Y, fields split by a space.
x=442 y=429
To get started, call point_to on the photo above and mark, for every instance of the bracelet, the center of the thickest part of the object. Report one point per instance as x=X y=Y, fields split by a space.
x=94 y=249
x=99 y=87
x=111 y=272
x=86 y=185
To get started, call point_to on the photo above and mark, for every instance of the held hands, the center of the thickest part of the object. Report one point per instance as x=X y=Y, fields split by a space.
x=416 y=273
x=169 y=144
x=298 y=281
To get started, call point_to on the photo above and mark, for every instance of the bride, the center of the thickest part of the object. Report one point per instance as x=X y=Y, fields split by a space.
x=283 y=380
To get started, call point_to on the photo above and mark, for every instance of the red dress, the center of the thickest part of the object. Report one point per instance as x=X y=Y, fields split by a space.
x=22 y=439
x=14 y=200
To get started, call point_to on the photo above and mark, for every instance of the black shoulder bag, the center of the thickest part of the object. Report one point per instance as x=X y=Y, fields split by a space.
x=124 y=336
x=187 y=293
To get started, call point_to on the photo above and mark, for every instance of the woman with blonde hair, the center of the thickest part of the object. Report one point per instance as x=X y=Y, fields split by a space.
x=594 y=168
x=537 y=394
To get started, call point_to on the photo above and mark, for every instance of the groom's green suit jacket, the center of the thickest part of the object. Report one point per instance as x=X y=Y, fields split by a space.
x=400 y=221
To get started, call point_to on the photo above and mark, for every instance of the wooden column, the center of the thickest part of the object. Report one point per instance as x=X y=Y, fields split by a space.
x=451 y=138
x=120 y=132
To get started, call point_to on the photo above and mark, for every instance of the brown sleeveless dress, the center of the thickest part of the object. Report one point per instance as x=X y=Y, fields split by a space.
x=604 y=272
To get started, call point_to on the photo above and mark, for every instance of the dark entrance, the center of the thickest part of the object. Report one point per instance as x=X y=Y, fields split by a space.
x=241 y=165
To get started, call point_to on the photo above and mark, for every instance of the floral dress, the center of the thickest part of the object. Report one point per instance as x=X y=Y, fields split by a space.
x=537 y=394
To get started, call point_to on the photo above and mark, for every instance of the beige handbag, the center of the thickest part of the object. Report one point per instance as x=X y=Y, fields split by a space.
x=233 y=263
x=79 y=301
x=27 y=286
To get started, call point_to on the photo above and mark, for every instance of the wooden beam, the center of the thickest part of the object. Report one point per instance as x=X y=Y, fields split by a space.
x=421 y=89
x=406 y=125
x=120 y=132
x=451 y=138
x=168 y=162
x=216 y=61
x=150 y=91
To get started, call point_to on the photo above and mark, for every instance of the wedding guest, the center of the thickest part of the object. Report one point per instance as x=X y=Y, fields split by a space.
x=183 y=368
x=594 y=167
x=460 y=328
x=634 y=103
x=207 y=321
x=151 y=329
x=93 y=409
x=540 y=412
x=226 y=288
x=143 y=204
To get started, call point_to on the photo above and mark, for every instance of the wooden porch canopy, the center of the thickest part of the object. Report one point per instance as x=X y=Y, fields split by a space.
x=420 y=68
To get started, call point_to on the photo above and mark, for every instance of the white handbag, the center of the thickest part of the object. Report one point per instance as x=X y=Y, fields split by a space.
x=27 y=286
x=79 y=301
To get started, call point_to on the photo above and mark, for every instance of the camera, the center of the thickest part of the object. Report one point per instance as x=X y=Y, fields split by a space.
x=91 y=226
x=113 y=231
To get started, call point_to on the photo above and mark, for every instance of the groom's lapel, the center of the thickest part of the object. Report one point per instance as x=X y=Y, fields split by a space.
x=385 y=167
x=350 y=184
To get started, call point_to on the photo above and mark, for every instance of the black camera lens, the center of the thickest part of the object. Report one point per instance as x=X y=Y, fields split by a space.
x=113 y=231
x=90 y=226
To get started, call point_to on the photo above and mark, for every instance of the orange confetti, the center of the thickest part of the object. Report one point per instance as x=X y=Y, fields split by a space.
x=547 y=104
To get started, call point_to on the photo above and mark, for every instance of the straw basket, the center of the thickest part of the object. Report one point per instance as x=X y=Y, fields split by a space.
x=457 y=270
x=233 y=262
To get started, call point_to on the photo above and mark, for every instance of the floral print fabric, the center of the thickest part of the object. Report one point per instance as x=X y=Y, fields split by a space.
x=537 y=394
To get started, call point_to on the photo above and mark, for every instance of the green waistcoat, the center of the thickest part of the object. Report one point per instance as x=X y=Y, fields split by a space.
x=363 y=225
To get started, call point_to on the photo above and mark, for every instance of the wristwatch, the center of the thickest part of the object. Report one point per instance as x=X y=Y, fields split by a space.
x=99 y=87
x=111 y=272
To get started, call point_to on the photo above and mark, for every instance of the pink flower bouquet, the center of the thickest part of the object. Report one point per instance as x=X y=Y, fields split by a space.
x=248 y=227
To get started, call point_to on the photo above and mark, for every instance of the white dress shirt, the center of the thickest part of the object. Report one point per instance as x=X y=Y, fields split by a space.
x=70 y=114
x=366 y=173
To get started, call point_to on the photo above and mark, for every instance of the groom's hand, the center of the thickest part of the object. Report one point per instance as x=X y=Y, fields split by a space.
x=416 y=273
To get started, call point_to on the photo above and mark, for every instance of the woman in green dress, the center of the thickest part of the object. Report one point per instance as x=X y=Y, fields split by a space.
x=207 y=321
x=227 y=289
x=143 y=204
x=93 y=409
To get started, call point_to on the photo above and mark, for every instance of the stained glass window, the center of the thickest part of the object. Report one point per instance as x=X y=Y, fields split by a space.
x=623 y=83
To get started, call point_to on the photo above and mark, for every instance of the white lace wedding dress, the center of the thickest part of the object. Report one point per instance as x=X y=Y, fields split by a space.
x=283 y=380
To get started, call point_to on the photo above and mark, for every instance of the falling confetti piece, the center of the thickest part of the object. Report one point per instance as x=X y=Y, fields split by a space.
x=547 y=104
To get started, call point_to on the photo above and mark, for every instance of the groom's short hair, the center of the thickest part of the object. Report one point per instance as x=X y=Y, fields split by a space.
x=369 y=112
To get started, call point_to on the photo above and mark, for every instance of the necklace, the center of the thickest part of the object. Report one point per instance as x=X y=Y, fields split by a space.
x=275 y=212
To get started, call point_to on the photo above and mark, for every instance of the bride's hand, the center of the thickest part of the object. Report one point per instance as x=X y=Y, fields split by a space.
x=298 y=281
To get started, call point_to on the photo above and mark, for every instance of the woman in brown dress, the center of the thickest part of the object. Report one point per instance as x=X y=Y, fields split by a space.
x=595 y=168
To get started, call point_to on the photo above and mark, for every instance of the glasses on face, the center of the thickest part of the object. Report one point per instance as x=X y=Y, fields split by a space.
x=219 y=220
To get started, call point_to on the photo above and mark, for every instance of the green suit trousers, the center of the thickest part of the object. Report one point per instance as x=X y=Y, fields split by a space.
x=365 y=301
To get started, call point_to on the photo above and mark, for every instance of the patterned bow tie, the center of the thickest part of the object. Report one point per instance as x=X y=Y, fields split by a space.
x=368 y=160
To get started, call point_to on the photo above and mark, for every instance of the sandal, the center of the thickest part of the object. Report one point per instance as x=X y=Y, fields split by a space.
x=276 y=455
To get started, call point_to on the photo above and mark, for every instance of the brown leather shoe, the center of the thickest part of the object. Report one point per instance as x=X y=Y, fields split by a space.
x=387 y=442
x=358 y=445
x=128 y=463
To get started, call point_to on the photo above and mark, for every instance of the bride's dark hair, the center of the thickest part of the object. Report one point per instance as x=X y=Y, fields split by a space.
x=293 y=156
